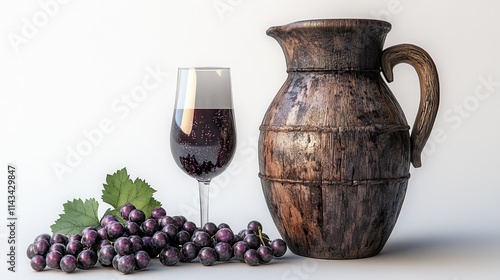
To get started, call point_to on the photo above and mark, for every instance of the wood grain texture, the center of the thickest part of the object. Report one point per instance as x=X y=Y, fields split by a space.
x=429 y=91
x=334 y=145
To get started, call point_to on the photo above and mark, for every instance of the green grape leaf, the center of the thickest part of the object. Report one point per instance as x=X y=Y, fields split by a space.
x=120 y=189
x=78 y=214
x=145 y=205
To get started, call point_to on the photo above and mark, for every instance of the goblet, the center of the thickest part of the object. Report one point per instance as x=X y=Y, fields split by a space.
x=203 y=134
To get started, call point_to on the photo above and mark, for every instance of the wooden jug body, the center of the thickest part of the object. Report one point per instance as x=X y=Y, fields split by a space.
x=334 y=145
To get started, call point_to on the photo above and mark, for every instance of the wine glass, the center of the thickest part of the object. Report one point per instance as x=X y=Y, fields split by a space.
x=203 y=134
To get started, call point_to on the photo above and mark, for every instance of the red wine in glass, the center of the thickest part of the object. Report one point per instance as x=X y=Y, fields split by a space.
x=203 y=134
x=205 y=146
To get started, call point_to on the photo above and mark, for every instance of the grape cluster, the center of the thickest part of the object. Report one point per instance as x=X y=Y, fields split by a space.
x=131 y=245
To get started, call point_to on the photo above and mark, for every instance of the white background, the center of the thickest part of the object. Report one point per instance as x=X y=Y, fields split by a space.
x=68 y=66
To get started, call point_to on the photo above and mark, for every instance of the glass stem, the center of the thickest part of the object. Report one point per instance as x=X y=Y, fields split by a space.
x=204 y=187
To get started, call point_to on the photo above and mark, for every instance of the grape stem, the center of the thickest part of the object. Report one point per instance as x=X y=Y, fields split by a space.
x=259 y=229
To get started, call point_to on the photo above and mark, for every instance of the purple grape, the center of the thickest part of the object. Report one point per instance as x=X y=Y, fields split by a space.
x=148 y=247
x=224 y=251
x=149 y=227
x=265 y=254
x=38 y=263
x=58 y=247
x=189 y=251
x=137 y=216
x=158 y=212
x=210 y=228
x=30 y=252
x=170 y=230
x=255 y=226
x=108 y=219
x=252 y=240
x=131 y=228
x=142 y=260
x=114 y=230
x=88 y=228
x=41 y=247
x=59 y=238
x=43 y=236
x=126 y=264
x=159 y=240
x=106 y=255
x=86 y=259
x=125 y=210
x=223 y=225
x=201 y=239
x=196 y=231
x=251 y=257
x=279 y=247
x=102 y=243
x=179 y=221
x=189 y=227
x=224 y=235
x=53 y=259
x=137 y=243
x=182 y=218
x=76 y=236
x=246 y=232
x=239 y=249
x=68 y=263
x=182 y=237
x=90 y=238
x=236 y=238
x=103 y=233
x=170 y=256
x=123 y=246
x=207 y=256
x=114 y=262
x=74 y=248
x=165 y=220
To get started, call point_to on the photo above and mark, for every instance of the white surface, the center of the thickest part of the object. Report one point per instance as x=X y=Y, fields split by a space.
x=76 y=63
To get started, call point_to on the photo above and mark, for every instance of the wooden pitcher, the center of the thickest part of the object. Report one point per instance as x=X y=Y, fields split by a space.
x=334 y=145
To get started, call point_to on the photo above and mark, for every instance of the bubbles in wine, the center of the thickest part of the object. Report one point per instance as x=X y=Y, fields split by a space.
x=207 y=149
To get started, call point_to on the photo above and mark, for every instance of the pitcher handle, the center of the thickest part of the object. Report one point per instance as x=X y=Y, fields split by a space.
x=429 y=91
